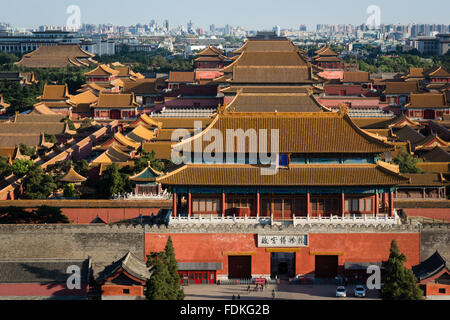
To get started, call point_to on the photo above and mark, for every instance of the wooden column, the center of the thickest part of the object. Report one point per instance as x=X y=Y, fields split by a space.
x=223 y=205
x=391 y=204
x=308 y=204
x=175 y=204
x=189 y=199
x=383 y=202
x=342 y=204
x=376 y=204
x=258 y=204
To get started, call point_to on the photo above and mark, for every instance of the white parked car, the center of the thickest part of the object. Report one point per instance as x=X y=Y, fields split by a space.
x=359 y=291
x=341 y=292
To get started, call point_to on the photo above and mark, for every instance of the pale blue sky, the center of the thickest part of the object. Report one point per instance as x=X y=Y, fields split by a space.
x=250 y=14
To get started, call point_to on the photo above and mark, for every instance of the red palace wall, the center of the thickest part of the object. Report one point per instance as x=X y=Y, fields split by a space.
x=117 y=290
x=367 y=247
x=40 y=290
x=108 y=215
x=433 y=213
x=432 y=289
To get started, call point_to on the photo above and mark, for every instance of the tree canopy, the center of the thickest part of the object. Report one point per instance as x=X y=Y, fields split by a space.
x=164 y=283
x=407 y=162
x=113 y=182
x=41 y=215
x=399 y=282
x=37 y=184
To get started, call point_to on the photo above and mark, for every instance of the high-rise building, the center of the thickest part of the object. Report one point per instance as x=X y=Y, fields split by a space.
x=277 y=30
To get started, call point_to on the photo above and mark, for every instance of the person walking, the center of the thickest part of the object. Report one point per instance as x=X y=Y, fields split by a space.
x=273 y=294
x=234 y=298
x=239 y=297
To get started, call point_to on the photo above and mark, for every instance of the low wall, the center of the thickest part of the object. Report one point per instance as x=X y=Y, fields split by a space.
x=103 y=243
x=435 y=237
x=88 y=211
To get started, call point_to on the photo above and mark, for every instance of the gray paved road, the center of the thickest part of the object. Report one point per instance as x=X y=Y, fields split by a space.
x=283 y=292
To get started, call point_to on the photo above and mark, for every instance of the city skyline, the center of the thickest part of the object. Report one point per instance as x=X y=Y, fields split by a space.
x=286 y=14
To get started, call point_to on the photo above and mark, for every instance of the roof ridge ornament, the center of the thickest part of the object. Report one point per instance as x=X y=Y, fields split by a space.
x=222 y=109
x=343 y=109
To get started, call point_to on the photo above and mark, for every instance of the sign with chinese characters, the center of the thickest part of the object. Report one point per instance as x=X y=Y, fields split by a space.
x=282 y=241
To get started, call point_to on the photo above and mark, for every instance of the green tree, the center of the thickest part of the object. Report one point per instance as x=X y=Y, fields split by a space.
x=82 y=167
x=407 y=162
x=142 y=162
x=46 y=214
x=70 y=191
x=5 y=167
x=158 y=287
x=15 y=215
x=37 y=184
x=26 y=150
x=399 y=282
x=113 y=182
x=50 y=138
x=21 y=167
x=172 y=265
x=43 y=214
x=164 y=283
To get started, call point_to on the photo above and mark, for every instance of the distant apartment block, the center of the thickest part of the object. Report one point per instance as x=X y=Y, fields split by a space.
x=27 y=43
x=438 y=45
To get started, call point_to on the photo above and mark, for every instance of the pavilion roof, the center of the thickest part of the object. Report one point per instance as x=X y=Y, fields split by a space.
x=271 y=89
x=356 y=77
x=147 y=175
x=59 y=56
x=402 y=87
x=130 y=264
x=181 y=77
x=275 y=102
x=268 y=45
x=408 y=134
x=327 y=59
x=267 y=59
x=300 y=132
x=432 y=141
x=141 y=87
x=102 y=70
x=141 y=134
x=397 y=123
x=296 y=175
x=55 y=93
x=113 y=100
x=438 y=71
x=72 y=177
x=327 y=51
x=126 y=141
x=415 y=73
x=430 y=267
x=425 y=179
x=211 y=51
x=87 y=97
x=112 y=155
x=163 y=150
x=147 y=121
x=437 y=155
x=428 y=100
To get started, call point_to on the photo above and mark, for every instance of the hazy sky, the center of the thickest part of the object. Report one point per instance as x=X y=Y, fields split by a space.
x=250 y=14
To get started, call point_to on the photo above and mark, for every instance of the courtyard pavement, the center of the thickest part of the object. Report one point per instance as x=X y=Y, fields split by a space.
x=282 y=292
